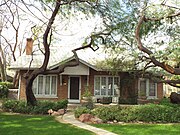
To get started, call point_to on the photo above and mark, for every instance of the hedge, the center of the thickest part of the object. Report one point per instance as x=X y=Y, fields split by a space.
x=145 y=113
x=8 y=84
x=4 y=89
x=42 y=106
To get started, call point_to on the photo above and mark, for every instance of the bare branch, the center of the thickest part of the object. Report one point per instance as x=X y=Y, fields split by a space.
x=72 y=63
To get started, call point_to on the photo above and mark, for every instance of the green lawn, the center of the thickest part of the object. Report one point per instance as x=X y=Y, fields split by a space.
x=36 y=125
x=142 y=129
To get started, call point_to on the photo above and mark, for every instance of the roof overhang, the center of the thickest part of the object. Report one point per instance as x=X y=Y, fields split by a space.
x=70 y=59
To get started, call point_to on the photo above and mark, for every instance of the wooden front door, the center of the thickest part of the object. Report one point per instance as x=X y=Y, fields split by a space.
x=74 y=88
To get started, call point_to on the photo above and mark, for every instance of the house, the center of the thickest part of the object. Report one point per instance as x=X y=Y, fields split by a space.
x=168 y=89
x=124 y=87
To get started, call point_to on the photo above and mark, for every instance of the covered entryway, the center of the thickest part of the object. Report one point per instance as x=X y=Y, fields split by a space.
x=74 y=89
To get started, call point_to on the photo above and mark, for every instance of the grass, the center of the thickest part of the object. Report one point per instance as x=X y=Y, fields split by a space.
x=11 y=124
x=141 y=129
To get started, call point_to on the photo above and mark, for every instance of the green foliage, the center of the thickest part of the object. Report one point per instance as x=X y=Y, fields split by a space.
x=41 y=108
x=88 y=103
x=159 y=113
x=80 y=110
x=145 y=113
x=3 y=91
x=107 y=113
x=120 y=19
x=166 y=101
x=7 y=84
x=87 y=92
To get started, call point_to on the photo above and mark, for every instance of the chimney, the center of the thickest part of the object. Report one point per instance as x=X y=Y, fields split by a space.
x=29 y=46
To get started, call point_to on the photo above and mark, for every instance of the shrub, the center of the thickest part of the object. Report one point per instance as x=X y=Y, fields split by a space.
x=145 y=113
x=165 y=101
x=159 y=113
x=8 y=84
x=80 y=110
x=127 y=114
x=60 y=104
x=3 y=91
x=4 y=86
x=9 y=105
x=88 y=103
x=42 y=106
x=107 y=113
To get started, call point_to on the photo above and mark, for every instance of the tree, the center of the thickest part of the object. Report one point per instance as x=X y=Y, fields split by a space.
x=11 y=45
x=31 y=100
x=145 y=32
x=172 y=16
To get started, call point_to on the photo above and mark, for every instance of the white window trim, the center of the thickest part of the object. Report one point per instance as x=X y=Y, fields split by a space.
x=43 y=95
x=99 y=96
x=147 y=88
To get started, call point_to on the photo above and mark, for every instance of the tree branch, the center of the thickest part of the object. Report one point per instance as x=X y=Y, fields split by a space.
x=70 y=63
x=163 y=65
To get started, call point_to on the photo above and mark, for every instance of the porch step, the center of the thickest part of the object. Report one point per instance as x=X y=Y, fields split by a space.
x=73 y=106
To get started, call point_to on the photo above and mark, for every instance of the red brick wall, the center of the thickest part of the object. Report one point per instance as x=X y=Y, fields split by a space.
x=62 y=91
x=22 y=94
x=160 y=90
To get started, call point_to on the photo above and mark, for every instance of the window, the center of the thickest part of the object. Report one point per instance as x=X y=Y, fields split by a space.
x=45 y=85
x=147 y=88
x=106 y=86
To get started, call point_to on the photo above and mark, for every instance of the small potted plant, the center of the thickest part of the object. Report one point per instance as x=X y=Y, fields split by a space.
x=142 y=95
x=87 y=94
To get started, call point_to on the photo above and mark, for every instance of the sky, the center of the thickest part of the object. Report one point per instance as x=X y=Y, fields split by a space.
x=69 y=32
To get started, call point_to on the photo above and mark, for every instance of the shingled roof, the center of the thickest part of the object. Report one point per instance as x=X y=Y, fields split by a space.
x=58 y=55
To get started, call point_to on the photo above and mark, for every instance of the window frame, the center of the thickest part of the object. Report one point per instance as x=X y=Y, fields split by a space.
x=147 y=88
x=107 y=88
x=44 y=95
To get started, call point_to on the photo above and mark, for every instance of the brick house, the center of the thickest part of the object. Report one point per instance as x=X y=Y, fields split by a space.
x=123 y=87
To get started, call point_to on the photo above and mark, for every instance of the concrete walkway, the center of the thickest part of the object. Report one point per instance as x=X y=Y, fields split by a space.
x=69 y=118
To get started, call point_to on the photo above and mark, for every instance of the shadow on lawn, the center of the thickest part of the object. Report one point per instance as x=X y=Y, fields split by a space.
x=35 y=125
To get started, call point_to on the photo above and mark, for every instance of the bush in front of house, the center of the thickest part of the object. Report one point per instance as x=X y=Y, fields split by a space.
x=81 y=110
x=158 y=113
x=7 y=84
x=42 y=106
x=145 y=113
x=107 y=113
x=4 y=91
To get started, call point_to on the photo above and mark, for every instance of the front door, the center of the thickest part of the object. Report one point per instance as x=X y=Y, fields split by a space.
x=74 y=88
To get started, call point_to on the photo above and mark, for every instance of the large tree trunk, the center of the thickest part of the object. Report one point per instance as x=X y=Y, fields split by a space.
x=31 y=100
x=3 y=73
x=2 y=63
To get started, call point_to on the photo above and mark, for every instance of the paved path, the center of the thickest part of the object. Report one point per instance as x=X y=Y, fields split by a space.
x=69 y=118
